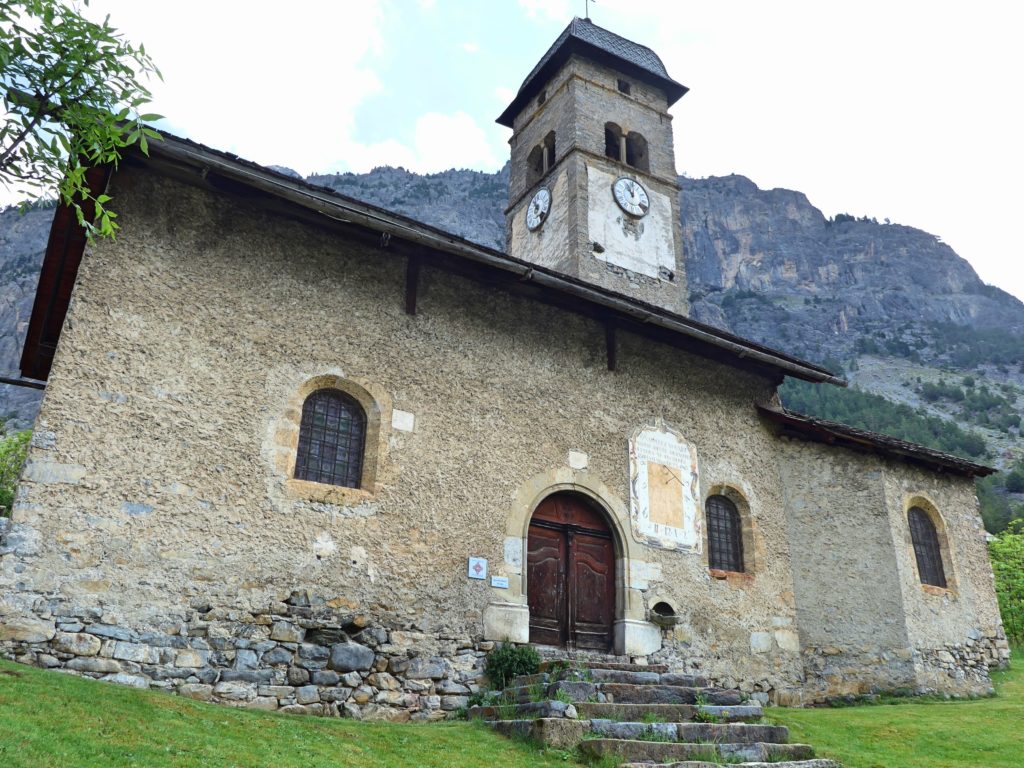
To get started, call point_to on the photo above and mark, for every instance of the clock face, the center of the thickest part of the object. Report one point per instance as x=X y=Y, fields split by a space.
x=538 y=210
x=631 y=197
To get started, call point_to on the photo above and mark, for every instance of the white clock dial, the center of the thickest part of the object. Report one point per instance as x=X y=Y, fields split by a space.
x=538 y=209
x=631 y=197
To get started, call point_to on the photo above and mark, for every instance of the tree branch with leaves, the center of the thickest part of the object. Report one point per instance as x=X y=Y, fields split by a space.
x=72 y=91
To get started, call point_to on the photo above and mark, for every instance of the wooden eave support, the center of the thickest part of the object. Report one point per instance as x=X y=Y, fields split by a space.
x=611 y=348
x=412 y=282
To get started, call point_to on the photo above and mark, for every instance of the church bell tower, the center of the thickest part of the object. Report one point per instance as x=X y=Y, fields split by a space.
x=593 y=191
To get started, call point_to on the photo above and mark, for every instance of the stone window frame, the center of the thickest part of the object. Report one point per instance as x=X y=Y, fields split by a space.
x=747 y=534
x=927 y=506
x=376 y=406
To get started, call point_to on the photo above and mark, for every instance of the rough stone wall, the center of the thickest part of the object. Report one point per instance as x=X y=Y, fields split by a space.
x=866 y=622
x=956 y=633
x=154 y=499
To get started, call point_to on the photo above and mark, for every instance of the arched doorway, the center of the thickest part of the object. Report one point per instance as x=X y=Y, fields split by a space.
x=570 y=574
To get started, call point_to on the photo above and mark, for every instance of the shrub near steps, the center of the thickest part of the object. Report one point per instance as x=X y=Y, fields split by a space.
x=642 y=716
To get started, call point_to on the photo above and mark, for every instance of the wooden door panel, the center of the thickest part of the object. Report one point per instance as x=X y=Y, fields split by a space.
x=545 y=585
x=592 y=590
x=570 y=575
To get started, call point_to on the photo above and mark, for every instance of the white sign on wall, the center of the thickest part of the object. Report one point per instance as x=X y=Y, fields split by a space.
x=664 y=488
x=477 y=568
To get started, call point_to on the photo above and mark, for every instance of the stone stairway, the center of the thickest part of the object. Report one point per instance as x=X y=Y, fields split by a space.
x=640 y=717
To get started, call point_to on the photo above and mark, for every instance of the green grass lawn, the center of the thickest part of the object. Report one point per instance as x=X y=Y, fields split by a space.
x=51 y=719
x=926 y=734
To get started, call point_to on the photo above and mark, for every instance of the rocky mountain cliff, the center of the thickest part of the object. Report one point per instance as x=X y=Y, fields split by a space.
x=762 y=263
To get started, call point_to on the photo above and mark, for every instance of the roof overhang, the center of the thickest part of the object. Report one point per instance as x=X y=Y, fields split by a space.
x=797 y=425
x=296 y=198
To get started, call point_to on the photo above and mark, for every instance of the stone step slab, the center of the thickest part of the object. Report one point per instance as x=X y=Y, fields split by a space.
x=669 y=713
x=674 y=751
x=601 y=675
x=815 y=763
x=667 y=694
x=573 y=690
x=530 y=709
x=741 y=733
x=547 y=666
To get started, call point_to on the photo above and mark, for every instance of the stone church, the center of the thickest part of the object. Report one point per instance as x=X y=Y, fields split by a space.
x=299 y=451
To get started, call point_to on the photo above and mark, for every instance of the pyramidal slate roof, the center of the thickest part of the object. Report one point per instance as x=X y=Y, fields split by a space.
x=584 y=37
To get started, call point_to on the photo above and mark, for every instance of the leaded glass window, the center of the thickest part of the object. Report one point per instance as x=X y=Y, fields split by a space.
x=332 y=437
x=725 y=535
x=926 y=548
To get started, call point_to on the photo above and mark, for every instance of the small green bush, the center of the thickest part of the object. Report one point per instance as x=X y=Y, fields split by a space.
x=13 y=450
x=508 y=661
x=1007 y=553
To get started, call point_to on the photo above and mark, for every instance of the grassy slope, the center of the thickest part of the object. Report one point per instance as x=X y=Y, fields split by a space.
x=931 y=734
x=50 y=719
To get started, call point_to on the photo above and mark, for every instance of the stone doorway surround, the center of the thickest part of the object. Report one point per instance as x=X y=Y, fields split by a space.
x=507 y=615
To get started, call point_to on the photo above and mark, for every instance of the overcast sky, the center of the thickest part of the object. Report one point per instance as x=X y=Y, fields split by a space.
x=904 y=110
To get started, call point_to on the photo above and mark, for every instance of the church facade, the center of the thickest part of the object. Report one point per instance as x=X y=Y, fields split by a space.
x=300 y=452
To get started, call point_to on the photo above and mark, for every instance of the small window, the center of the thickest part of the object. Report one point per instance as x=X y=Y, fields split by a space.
x=725 y=535
x=535 y=165
x=549 y=151
x=613 y=141
x=332 y=438
x=926 y=548
x=636 y=152
x=624 y=86
x=542 y=98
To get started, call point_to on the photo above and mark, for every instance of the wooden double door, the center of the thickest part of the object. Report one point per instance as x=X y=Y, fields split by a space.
x=570 y=575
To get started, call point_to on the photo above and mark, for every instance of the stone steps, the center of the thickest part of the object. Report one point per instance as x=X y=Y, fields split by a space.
x=668 y=694
x=740 y=733
x=814 y=763
x=659 y=752
x=669 y=713
x=602 y=675
x=647 y=717
x=547 y=666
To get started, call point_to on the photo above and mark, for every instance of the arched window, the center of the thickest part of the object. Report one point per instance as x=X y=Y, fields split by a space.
x=926 y=548
x=725 y=535
x=535 y=164
x=636 y=152
x=549 y=151
x=612 y=141
x=332 y=437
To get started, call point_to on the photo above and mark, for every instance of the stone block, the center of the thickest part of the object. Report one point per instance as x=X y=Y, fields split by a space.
x=93 y=664
x=191 y=659
x=123 y=678
x=352 y=679
x=346 y=657
x=325 y=677
x=25 y=629
x=77 y=643
x=235 y=691
x=788 y=640
x=196 y=691
x=53 y=473
x=263 y=703
x=284 y=632
x=383 y=681
x=278 y=655
x=297 y=676
x=760 y=642
x=339 y=694
x=246 y=659
x=307 y=694
x=141 y=654
x=451 y=703
x=110 y=632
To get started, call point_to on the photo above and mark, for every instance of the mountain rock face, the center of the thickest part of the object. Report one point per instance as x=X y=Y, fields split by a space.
x=22 y=242
x=765 y=264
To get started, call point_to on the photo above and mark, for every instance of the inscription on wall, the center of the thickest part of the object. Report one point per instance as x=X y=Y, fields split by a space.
x=664 y=489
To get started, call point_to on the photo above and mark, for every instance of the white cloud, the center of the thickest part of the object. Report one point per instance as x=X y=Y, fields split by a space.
x=440 y=142
x=471 y=47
